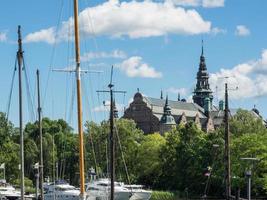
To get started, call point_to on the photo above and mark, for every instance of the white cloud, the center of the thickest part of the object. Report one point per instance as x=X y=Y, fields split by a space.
x=106 y=107
x=3 y=36
x=135 y=67
x=195 y=3
x=249 y=77
x=216 y=31
x=44 y=35
x=98 y=65
x=181 y=91
x=97 y=55
x=186 y=2
x=133 y=19
x=242 y=30
x=212 y=3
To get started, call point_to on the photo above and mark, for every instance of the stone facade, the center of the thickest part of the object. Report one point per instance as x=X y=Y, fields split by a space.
x=159 y=115
x=148 y=113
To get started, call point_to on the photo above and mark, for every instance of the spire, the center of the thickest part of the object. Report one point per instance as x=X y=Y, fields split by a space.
x=202 y=52
x=161 y=94
x=167 y=117
x=167 y=108
x=179 y=97
x=202 y=89
x=202 y=64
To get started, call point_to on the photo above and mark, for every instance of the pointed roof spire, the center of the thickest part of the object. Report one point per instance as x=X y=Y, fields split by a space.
x=167 y=108
x=202 y=89
x=167 y=101
x=202 y=49
x=179 y=96
x=161 y=94
x=167 y=117
x=202 y=64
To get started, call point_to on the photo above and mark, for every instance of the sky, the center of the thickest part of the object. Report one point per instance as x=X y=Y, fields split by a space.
x=153 y=45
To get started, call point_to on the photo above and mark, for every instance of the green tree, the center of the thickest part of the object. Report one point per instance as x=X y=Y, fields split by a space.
x=148 y=161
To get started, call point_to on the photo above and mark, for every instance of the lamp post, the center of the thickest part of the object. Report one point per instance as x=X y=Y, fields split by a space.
x=214 y=147
x=36 y=168
x=248 y=175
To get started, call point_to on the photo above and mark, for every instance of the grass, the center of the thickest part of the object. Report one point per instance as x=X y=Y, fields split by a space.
x=162 y=195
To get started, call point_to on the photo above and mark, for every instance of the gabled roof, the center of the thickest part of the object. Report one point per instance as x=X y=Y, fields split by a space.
x=177 y=107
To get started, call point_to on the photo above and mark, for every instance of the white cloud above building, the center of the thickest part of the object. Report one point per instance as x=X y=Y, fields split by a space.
x=136 y=67
x=250 y=78
x=134 y=19
x=196 y=3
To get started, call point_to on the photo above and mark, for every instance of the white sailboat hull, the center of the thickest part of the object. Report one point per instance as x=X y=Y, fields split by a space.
x=141 y=195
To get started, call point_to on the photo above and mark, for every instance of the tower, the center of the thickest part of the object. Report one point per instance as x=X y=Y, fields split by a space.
x=167 y=121
x=202 y=89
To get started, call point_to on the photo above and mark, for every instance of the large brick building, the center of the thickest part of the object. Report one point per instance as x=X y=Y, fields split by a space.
x=160 y=115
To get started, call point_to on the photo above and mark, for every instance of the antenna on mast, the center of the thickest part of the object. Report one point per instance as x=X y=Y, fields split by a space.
x=111 y=76
x=111 y=136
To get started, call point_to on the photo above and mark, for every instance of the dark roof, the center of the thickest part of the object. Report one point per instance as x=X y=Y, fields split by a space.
x=173 y=104
x=177 y=107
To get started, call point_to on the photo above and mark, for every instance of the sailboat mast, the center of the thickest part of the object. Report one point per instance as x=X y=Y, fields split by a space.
x=112 y=145
x=40 y=135
x=20 y=61
x=79 y=99
x=227 y=147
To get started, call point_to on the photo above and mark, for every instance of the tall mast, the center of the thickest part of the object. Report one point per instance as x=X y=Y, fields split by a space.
x=111 y=136
x=227 y=148
x=40 y=135
x=20 y=61
x=79 y=99
x=112 y=146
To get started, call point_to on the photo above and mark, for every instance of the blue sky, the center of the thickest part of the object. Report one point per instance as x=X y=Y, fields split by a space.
x=153 y=45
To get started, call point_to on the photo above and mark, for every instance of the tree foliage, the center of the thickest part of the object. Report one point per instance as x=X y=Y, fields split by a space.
x=177 y=160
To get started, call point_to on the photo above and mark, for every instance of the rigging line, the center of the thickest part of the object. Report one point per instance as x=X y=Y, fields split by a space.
x=92 y=27
x=122 y=155
x=101 y=104
x=11 y=89
x=53 y=53
x=86 y=100
x=68 y=59
x=68 y=77
x=93 y=150
x=62 y=158
x=72 y=103
x=90 y=100
x=34 y=98
x=93 y=114
x=28 y=90
x=89 y=112
x=66 y=96
x=86 y=105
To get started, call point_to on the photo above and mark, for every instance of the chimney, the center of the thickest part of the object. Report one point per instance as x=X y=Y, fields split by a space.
x=207 y=106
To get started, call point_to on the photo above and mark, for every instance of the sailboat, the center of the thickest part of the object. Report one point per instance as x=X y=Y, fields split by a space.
x=105 y=189
x=62 y=190
x=122 y=192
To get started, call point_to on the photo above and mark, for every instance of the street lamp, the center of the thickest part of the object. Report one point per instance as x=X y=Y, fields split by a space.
x=248 y=174
x=209 y=169
x=36 y=168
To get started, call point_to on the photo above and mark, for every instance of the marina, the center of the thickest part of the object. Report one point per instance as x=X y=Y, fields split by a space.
x=133 y=100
